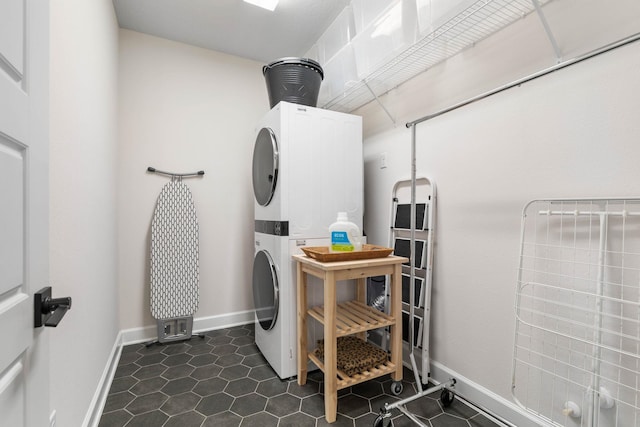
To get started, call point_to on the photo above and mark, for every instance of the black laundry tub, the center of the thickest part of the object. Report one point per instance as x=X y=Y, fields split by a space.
x=295 y=80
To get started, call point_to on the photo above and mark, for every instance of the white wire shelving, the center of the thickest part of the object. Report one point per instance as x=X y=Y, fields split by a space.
x=475 y=23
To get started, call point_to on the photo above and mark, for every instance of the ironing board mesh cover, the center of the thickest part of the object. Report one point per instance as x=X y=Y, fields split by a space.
x=174 y=254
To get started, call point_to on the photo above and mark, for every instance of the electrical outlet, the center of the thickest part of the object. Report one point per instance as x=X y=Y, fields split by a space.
x=383 y=160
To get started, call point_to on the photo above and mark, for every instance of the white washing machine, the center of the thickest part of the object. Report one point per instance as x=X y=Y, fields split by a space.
x=307 y=167
x=274 y=294
x=270 y=293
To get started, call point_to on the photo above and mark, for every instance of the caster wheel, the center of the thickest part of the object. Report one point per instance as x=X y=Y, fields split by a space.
x=382 y=421
x=396 y=388
x=446 y=397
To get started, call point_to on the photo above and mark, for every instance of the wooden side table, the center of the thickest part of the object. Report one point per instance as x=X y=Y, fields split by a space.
x=348 y=318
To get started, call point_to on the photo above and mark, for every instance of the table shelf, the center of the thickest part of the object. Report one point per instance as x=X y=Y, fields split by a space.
x=344 y=380
x=353 y=317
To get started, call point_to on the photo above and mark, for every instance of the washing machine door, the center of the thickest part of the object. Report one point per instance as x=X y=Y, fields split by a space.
x=265 y=290
x=265 y=166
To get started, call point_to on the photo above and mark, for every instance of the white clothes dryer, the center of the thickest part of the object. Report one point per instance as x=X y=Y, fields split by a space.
x=307 y=167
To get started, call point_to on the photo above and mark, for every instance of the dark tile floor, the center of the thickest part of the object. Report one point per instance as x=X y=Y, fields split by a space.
x=223 y=380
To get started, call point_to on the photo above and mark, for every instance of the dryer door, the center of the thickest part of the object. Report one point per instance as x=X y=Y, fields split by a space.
x=265 y=290
x=265 y=166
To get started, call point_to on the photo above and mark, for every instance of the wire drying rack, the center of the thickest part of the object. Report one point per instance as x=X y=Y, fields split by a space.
x=577 y=340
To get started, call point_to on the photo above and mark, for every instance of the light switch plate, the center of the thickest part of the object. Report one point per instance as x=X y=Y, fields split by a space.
x=383 y=160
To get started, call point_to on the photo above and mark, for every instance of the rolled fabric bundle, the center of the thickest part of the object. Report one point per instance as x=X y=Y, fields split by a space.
x=355 y=355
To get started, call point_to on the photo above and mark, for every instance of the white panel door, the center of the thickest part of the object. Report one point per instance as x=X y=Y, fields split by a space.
x=24 y=69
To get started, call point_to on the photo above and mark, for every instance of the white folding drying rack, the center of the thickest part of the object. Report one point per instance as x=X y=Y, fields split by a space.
x=577 y=340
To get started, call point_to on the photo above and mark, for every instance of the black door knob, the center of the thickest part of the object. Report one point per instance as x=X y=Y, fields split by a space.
x=49 y=311
x=51 y=304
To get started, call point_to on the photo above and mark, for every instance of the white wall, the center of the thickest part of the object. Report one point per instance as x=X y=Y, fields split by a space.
x=185 y=109
x=182 y=108
x=83 y=104
x=570 y=134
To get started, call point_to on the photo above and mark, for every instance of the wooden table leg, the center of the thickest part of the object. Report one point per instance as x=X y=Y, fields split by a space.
x=361 y=290
x=330 y=351
x=396 y=313
x=361 y=296
x=301 y=304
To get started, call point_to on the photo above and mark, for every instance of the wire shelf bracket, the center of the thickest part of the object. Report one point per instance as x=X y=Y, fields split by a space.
x=547 y=30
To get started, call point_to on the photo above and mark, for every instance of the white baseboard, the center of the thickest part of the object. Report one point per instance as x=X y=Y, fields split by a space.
x=92 y=417
x=485 y=399
x=200 y=324
x=148 y=333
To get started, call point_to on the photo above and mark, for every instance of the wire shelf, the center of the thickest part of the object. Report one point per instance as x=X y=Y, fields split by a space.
x=472 y=25
x=577 y=343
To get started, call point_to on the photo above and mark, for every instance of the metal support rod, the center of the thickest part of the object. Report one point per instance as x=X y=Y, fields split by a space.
x=547 y=30
x=412 y=417
x=380 y=102
x=412 y=261
x=414 y=367
x=589 y=213
x=594 y=401
x=387 y=407
x=564 y=64
x=174 y=175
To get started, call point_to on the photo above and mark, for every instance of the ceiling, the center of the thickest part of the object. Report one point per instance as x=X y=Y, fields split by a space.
x=233 y=26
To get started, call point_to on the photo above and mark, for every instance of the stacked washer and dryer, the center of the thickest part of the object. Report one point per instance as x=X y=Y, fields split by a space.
x=307 y=167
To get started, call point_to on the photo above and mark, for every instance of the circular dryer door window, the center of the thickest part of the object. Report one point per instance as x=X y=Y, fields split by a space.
x=265 y=290
x=265 y=166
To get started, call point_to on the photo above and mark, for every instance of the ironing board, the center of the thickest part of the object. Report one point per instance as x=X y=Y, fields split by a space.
x=174 y=262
